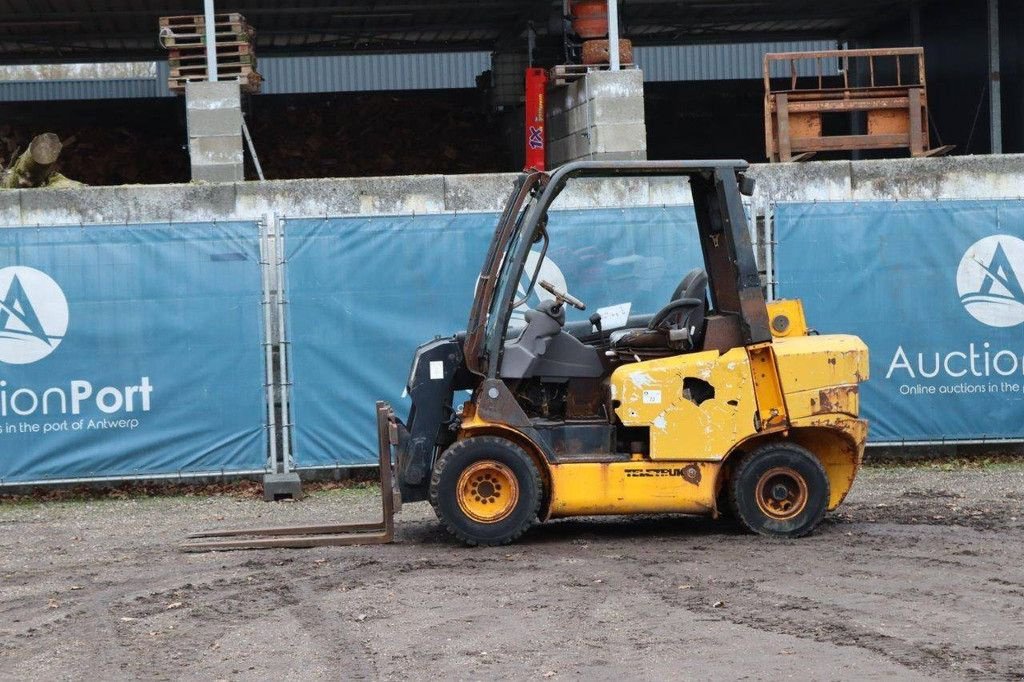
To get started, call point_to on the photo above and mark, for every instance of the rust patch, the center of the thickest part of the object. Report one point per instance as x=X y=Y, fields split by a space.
x=496 y=404
x=835 y=399
x=691 y=474
x=585 y=398
x=856 y=429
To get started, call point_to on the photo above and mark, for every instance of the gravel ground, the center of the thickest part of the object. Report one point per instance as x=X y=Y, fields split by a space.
x=919 y=575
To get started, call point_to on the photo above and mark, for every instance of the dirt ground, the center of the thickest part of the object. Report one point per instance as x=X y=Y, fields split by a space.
x=919 y=575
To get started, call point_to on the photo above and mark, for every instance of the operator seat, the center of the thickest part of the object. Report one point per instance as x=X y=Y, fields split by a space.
x=679 y=325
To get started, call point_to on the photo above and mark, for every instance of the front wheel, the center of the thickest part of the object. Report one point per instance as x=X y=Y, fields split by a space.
x=779 y=490
x=486 y=490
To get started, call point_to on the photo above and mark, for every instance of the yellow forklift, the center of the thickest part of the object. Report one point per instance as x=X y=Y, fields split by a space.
x=718 y=399
x=719 y=402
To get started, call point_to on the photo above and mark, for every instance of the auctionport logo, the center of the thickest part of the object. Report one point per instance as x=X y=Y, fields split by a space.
x=989 y=281
x=33 y=315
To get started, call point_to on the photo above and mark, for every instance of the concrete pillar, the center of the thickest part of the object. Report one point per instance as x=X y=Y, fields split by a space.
x=600 y=116
x=214 y=112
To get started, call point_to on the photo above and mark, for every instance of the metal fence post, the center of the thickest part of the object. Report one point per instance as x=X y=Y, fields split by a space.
x=283 y=348
x=613 y=35
x=769 y=250
x=268 y=342
x=210 y=36
x=284 y=481
x=994 y=75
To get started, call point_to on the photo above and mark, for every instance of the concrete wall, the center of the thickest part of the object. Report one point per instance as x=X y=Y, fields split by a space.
x=599 y=116
x=953 y=177
x=903 y=179
x=214 y=112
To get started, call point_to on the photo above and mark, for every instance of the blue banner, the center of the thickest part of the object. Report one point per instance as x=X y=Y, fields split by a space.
x=934 y=289
x=365 y=292
x=130 y=351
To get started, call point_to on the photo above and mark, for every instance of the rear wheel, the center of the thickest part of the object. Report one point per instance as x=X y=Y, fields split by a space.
x=486 y=490
x=779 y=490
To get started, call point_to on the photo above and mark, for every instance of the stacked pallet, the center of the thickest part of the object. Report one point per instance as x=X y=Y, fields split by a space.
x=185 y=39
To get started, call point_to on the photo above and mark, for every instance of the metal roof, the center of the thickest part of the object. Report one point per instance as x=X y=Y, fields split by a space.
x=70 y=30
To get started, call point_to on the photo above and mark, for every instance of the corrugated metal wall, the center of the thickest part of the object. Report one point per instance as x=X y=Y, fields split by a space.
x=115 y=88
x=353 y=73
x=87 y=88
x=725 y=62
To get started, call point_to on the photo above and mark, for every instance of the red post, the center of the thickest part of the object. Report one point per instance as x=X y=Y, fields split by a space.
x=536 y=139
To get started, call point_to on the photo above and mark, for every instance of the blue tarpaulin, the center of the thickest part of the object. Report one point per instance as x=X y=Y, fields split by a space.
x=934 y=288
x=365 y=292
x=130 y=351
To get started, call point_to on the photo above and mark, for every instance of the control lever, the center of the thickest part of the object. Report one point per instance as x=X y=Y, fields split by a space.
x=595 y=321
x=562 y=296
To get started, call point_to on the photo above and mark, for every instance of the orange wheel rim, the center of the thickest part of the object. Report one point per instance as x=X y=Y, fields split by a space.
x=781 y=493
x=487 y=491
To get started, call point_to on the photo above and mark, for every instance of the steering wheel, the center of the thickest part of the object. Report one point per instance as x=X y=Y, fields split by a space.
x=561 y=296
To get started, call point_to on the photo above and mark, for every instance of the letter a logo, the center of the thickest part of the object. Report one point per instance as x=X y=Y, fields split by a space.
x=33 y=315
x=988 y=281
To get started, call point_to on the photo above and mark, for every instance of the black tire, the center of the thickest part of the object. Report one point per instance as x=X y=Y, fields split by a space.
x=725 y=513
x=779 y=490
x=722 y=503
x=478 y=451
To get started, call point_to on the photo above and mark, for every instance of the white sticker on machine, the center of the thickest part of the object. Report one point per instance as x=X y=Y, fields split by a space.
x=614 y=316
x=652 y=397
x=437 y=369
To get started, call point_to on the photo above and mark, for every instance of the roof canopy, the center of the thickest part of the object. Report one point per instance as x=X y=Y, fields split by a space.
x=122 y=30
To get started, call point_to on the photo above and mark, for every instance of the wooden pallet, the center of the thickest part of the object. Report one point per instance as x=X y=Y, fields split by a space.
x=191 y=20
x=197 y=49
x=223 y=68
x=178 y=40
x=228 y=54
x=184 y=36
x=228 y=60
x=563 y=74
x=240 y=48
x=250 y=80
x=190 y=30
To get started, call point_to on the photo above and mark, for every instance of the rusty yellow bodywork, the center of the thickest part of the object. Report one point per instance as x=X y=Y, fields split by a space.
x=801 y=388
x=635 y=487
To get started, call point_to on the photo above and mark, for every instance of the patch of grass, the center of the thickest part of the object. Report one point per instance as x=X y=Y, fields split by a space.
x=136 y=490
x=948 y=463
x=18 y=501
x=146 y=490
x=340 y=488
